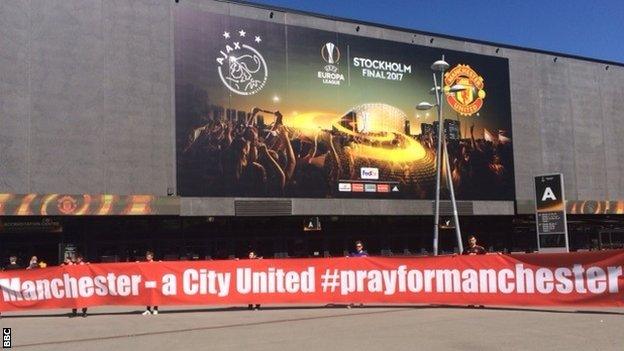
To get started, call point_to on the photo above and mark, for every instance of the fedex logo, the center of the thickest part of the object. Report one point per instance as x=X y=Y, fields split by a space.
x=369 y=173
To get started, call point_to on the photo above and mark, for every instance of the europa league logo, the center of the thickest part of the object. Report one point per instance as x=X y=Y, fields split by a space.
x=330 y=74
x=330 y=53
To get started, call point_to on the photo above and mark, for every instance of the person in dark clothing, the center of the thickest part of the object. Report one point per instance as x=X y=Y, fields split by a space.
x=473 y=248
x=12 y=264
x=149 y=257
x=359 y=250
x=253 y=256
x=79 y=261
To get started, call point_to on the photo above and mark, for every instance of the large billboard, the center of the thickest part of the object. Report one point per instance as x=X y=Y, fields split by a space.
x=265 y=109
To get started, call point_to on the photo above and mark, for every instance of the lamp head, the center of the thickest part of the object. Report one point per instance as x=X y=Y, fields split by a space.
x=440 y=65
x=423 y=106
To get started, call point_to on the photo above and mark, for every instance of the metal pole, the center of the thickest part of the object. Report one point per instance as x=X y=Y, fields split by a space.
x=449 y=178
x=436 y=220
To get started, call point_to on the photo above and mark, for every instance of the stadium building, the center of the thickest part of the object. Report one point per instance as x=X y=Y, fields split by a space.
x=203 y=128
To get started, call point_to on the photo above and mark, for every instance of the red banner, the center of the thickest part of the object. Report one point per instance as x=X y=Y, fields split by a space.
x=587 y=279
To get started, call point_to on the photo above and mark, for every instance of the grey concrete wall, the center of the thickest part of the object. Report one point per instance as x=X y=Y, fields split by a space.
x=86 y=96
x=86 y=104
x=354 y=207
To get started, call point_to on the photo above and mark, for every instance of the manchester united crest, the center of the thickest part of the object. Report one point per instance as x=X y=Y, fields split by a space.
x=470 y=100
x=67 y=204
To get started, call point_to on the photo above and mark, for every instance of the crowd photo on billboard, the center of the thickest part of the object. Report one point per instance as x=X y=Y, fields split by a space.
x=265 y=109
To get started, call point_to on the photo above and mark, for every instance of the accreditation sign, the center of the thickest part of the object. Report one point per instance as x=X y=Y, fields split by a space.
x=550 y=215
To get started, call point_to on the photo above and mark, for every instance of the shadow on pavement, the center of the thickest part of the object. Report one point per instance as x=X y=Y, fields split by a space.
x=321 y=307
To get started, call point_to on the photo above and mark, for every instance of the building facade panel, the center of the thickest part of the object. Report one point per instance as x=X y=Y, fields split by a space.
x=87 y=104
x=15 y=18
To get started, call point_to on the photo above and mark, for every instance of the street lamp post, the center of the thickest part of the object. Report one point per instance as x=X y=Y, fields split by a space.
x=441 y=66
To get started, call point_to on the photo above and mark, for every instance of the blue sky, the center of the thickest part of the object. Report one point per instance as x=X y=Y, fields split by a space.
x=590 y=28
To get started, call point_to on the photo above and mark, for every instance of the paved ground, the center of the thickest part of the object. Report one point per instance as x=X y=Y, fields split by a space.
x=305 y=328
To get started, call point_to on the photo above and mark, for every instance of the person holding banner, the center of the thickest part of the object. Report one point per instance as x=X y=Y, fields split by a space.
x=34 y=263
x=12 y=264
x=149 y=257
x=79 y=261
x=359 y=250
x=473 y=248
x=253 y=256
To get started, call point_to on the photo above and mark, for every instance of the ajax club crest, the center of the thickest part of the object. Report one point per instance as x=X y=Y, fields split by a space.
x=242 y=68
x=469 y=101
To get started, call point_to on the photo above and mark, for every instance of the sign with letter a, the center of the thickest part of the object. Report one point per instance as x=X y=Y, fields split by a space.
x=550 y=216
